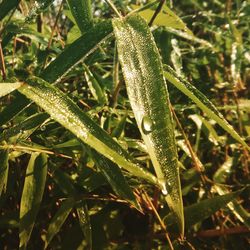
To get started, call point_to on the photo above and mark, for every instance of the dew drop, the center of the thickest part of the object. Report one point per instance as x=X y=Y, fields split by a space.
x=164 y=190
x=147 y=125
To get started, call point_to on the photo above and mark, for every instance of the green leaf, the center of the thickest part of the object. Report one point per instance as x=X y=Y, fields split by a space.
x=23 y=129
x=82 y=13
x=84 y=220
x=58 y=220
x=4 y=169
x=148 y=95
x=32 y=195
x=95 y=87
x=165 y=18
x=202 y=102
x=7 y=88
x=6 y=6
x=200 y=211
x=13 y=109
x=68 y=114
x=77 y=51
x=115 y=178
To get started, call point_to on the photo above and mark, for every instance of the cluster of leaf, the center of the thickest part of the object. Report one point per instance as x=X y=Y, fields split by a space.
x=107 y=140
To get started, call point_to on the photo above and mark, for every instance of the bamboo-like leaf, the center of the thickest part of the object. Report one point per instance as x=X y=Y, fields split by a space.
x=202 y=210
x=82 y=13
x=7 y=88
x=77 y=51
x=24 y=129
x=14 y=108
x=4 y=169
x=148 y=95
x=84 y=220
x=94 y=86
x=32 y=195
x=115 y=178
x=202 y=102
x=6 y=6
x=67 y=113
x=58 y=220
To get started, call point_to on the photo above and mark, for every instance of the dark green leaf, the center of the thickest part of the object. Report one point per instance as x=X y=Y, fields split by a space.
x=58 y=220
x=77 y=51
x=82 y=13
x=4 y=169
x=6 y=6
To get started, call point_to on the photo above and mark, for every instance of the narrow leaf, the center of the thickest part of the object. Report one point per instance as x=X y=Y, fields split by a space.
x=202 y=210
x=115 y=178
x=23 y=129
x=68 y=114
x=84 y=220
x=7 y=88
x=58 y=220
x=32 y=195
x=148 y=95
x=76 y=52
x=202 y=102
x=6 y=6
x=13 y=109
x=82 y=13
x=4 y=169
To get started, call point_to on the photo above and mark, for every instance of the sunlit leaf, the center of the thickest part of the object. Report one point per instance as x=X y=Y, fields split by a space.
x=67 y=113
x=148 y=95
x=7 y=88
x=32 y=195
x=202 y=102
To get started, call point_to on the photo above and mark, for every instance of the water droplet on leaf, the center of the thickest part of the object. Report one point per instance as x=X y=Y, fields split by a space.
x=147 y=125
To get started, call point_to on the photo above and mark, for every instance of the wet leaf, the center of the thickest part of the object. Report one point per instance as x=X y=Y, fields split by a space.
x=82 y=13
x=76 y=52
x=68 y=114
x=202 y=102
x=148 y=95
x=32 y=195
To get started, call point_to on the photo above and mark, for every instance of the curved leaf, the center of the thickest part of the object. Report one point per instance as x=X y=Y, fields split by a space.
x=68 y=114
x=202 y=102
x=32 y=195
x=148 y=95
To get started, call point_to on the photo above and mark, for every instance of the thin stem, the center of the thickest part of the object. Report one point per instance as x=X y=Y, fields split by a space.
x=159 y=219
x=157 y=11
x=3 y=69
x=113 y=8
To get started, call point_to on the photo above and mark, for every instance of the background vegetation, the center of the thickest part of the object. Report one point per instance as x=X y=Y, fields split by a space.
x=66 y=78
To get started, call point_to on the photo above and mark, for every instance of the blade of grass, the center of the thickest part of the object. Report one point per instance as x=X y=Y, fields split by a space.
x=7 y=88
x=6 y=6
x=4 y=169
